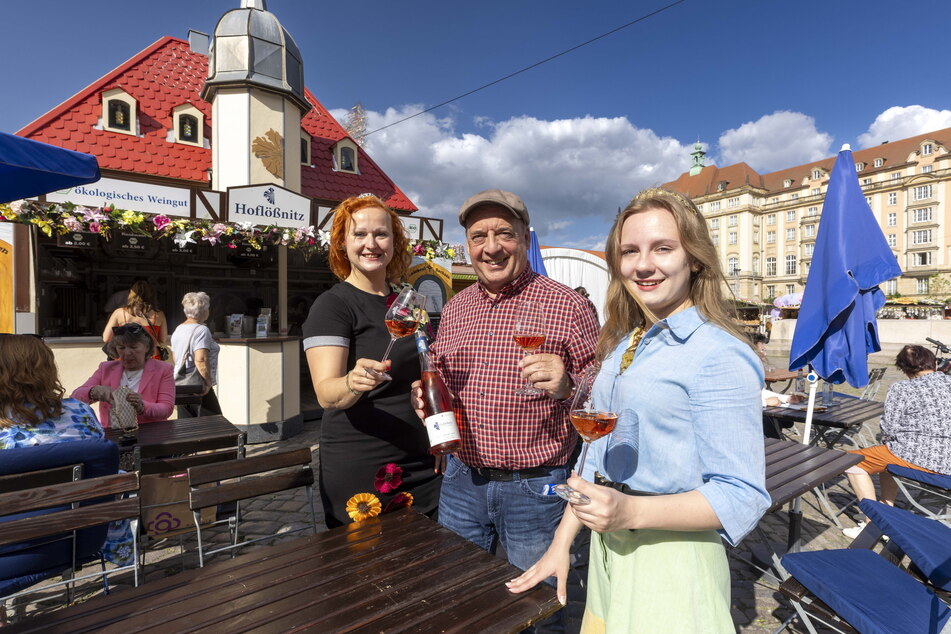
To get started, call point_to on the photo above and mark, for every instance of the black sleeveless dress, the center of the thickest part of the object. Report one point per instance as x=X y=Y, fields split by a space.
x=381 y=427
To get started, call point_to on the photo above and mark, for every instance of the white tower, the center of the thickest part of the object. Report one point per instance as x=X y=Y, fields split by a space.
x=255 y=86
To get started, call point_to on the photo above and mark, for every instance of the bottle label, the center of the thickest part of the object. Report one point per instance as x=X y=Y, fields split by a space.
x=442 y=428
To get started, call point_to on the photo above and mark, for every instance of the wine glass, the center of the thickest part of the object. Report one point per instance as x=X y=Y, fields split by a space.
x=402 y=319
x=529 y=333
x=591 y=423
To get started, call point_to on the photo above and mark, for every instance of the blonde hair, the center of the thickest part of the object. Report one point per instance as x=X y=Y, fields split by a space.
x=337 y=257
x=30 y=391
x=624 y=310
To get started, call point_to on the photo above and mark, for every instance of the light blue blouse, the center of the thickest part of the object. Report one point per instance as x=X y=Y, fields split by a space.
x=689 y=417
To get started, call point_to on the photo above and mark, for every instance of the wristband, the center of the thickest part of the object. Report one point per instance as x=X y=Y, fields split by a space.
x=350 y=389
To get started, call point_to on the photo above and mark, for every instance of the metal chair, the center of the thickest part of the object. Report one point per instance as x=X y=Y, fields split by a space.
x=271 y=473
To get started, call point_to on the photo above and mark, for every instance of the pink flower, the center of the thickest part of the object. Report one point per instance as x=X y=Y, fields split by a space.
x=232 y=246
x=95 y=227
x=161 y=222
x=388 y=478
x=72 y=224
x=419 y=249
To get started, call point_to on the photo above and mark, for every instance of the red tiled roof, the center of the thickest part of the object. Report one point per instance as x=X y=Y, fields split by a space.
x=893 y=155
x=168 y=74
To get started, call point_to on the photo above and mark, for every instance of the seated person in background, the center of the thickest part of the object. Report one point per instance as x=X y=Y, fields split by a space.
x=34 y=412
x=916 y=429
x=151 y=381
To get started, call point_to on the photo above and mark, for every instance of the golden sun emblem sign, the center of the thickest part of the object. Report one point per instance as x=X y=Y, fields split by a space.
x=270 y=149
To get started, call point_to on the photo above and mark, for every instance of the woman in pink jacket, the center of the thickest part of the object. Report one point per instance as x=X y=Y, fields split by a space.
x=151 y=382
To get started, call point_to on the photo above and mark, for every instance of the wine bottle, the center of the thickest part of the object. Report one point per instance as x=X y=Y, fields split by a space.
x=439 y=418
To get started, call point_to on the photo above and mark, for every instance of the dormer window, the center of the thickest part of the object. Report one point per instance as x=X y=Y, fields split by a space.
x=787 y=182
x=879 y=162
x=119 y=111
x=926 y=149
x=304 y=148
x=859 y=166
x=189 y=125
x=816 y=174
x=721 y=186
x=346 y=156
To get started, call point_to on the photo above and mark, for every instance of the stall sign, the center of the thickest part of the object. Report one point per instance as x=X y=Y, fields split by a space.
x=186 y=249
x=268 y=205
x=412 y=227
x=143 y=197
x=78 y=239
x=247 y=252
x=130 y=242
x=432 y=278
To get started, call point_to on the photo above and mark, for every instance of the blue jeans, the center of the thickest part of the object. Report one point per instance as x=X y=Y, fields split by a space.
x=521 y=514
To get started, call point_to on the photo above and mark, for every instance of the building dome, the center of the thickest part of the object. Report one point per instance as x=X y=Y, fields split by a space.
x=251 y=47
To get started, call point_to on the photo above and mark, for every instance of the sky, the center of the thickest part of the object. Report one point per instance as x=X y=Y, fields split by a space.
x=771 y=83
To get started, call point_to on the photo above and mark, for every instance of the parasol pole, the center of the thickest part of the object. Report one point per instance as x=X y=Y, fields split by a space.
x=813 y=379
x=795 y=515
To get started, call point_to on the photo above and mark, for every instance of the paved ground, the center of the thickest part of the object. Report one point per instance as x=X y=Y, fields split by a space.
x=756 y=606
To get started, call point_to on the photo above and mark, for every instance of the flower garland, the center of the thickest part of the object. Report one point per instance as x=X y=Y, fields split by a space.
x=64 y=218
x=388 y=479
x=432 y=249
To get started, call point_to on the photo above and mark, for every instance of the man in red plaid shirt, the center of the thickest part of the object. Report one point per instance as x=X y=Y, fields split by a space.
x=515 y=448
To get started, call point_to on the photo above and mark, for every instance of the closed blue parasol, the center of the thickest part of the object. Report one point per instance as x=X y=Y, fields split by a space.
x=836 y=328
x=30 y=168
x=535 y=255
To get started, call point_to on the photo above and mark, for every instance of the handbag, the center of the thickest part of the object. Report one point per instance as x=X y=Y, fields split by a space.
x=191 y=379
x=162 y=349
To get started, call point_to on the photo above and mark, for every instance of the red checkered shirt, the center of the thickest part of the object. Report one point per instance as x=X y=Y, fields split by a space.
x=478 y=359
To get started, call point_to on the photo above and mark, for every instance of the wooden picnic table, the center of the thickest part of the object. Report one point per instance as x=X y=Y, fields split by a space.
x=830 y=424
x=394 y=573
x=793 y=468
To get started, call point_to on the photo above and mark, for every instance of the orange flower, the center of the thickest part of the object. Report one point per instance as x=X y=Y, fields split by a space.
x=363 y=506
x=401 y=500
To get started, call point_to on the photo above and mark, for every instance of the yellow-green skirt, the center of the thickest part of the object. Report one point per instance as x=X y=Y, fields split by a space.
x=657 y=581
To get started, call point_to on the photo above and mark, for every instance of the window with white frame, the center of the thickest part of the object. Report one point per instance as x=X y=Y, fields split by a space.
x=866 y=181
x=715 y=205
x=733 y=266
x=733 y=220
x=699 y=207
x=879 y=162
x=927 y=149
x=868 y=199
x=791 y=215
x=808 y=249
x=715 y=237
x=119 y=111
x=921 y=215
x=891 y=287
x=787 y=182
x=926 y=169
x=774 y=200
x=921 y=259
x=346 y=157
x=921 y=236
x=805 y=268
x=809 y=231
x=791 y=264
x=892 y=219
x=790 y=289
x=816 y=191
x=770 y=290
x=921 y=192
x=770 y=237
x=791 y=234
x=892 y=198
x=793 y=196
x=715 y=223
x=813 y=211
x=896 y=176
x=893 y=240
x=859 y=166
x=731 y=239
x=816 y=174
x=771 y=219
x=733 y=202
x=923 y=285
x=770 y=266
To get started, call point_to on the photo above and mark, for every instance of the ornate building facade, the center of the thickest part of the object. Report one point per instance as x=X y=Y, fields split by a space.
x=765 y=225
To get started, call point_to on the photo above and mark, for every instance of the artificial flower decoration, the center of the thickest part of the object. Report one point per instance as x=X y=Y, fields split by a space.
x=363 y=506
x=431 y=249
x=389 y=478
x=402 y=500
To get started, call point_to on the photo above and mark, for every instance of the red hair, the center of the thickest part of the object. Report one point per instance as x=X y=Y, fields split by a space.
x=340 y=263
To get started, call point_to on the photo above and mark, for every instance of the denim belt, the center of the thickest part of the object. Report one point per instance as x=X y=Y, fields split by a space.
x=506 y=475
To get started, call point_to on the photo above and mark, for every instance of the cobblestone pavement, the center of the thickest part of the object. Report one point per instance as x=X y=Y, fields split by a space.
x=756 y=605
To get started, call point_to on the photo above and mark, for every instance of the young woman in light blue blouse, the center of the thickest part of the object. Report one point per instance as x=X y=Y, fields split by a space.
x=685 y=464
x=33 y=412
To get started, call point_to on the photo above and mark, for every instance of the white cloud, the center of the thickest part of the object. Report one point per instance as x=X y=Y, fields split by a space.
x=774 y=141
x=572 y=173
x=901 y=122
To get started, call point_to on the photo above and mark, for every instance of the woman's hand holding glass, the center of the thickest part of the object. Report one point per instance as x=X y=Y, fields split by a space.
x=591 y=423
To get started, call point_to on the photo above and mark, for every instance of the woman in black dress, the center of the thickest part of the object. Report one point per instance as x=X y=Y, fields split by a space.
x=367 y=423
